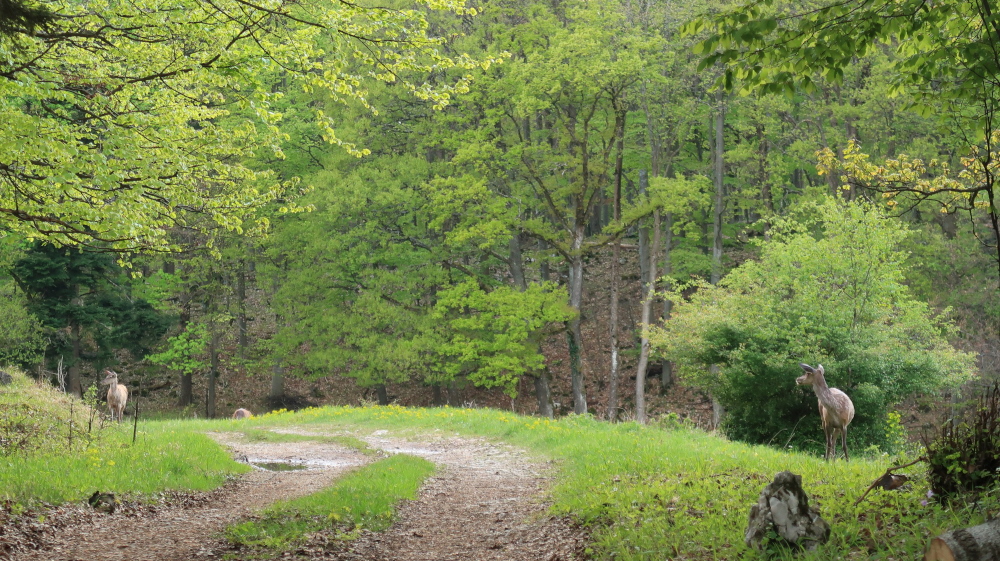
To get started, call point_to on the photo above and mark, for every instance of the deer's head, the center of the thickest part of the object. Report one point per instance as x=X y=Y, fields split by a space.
x=810 y=375
x=110 y=377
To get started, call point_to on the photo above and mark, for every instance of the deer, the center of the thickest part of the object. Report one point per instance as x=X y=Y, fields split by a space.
x=242 y=414
x=835 y=409
x=117 y=395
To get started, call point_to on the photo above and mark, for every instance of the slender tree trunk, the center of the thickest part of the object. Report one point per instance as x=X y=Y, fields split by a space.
x=517 y=263
x=719 y=207
x=574 y=334
x=383 y=396
x=720 y=119
x=616 y=250
x=276 y=395
x=241 y=315
x=74 y=383
x=185 y=395
x=647 y=312
x=213 y=372
x=667 y=367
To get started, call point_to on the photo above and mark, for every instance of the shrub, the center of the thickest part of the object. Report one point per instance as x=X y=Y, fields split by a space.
x=965 y=457
x=828 y=288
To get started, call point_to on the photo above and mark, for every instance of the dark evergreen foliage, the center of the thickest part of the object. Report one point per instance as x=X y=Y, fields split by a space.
x=69 y=287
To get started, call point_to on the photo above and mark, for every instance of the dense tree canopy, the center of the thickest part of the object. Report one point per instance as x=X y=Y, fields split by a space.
x=123 y=120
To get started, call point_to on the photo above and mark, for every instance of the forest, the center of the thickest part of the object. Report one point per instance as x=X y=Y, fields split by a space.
x=499 y=279
x=555 y=201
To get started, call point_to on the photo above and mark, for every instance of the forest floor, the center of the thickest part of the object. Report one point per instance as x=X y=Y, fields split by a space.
x=485 y=501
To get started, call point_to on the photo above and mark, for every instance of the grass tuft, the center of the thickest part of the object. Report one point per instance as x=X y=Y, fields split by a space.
x=364 y=498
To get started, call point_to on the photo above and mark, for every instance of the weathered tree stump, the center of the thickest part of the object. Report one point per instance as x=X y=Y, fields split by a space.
x=5 y=378
x=978 y=543
x=784 y=508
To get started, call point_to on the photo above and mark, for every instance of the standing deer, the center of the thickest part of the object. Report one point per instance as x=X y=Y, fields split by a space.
x=242 y=414
x=117 y=395
x=835 y=409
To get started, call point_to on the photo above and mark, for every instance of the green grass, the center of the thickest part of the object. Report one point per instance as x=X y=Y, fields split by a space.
x=364 y=498
x=648 y=493
x=162 y=458
x=651 y=493
x=45 y=458
x=261 y=435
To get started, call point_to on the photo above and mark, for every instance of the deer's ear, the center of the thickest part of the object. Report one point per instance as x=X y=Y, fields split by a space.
x=806 y=367
x=819 y=368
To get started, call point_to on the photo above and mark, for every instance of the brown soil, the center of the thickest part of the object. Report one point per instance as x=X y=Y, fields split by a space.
x=486 y=501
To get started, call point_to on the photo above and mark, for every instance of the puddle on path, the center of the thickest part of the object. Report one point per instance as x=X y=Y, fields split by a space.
x=278 y=466
x=271 y=464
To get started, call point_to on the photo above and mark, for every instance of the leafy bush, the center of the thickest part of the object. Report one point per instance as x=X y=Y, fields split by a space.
x=828 y=288
x=965 y=457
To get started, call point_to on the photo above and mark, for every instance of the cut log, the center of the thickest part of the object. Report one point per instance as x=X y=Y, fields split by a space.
x=978 y=543
x=783 y=508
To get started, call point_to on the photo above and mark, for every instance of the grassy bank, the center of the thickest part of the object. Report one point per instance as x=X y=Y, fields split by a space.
x=653 y=493
x=55 y=449
x=649 y=493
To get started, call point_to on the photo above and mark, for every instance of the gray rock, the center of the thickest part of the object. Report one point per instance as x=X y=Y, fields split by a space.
x=5 y=379
x=783 y=507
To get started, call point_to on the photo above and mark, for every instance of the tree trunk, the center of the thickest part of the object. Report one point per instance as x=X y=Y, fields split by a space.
x=185 y=395
x=978 y=543
x=73 y=382
x=720 y=120
x=543 y=394
x=516 y=263
x=667 y=367
x=241 y=316
x=277 y=393
x=647 y=312
x=213 y=372
x=383 y=396
x=616 y=250
x=574 y=336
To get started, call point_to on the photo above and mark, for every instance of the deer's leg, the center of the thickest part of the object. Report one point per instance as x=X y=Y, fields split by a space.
x=843 y=438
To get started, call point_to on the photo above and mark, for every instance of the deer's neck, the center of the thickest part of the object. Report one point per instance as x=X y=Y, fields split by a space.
x=822 y=390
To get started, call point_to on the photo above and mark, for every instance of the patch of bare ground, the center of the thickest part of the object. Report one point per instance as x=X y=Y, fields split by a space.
x=485 y=502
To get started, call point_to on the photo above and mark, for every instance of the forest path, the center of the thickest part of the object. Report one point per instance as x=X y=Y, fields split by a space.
x=485 y=502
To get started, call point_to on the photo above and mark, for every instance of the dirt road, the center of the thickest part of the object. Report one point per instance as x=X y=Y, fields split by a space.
x=485 y=502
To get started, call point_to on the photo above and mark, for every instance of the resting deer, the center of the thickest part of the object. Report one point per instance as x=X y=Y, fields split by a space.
x=242 y=414
x=835 y=408
x=117 y=395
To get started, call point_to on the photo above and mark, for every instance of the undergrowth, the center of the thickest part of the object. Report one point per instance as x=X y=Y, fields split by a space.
x=364 y=498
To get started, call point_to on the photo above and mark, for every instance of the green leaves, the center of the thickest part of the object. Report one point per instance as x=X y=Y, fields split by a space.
x=494 y=336
x=829 y=288
x=124 y=114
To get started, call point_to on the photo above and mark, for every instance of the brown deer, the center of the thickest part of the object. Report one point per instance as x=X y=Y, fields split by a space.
x=835 y=409
x=117 y=395
x=242 y=414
